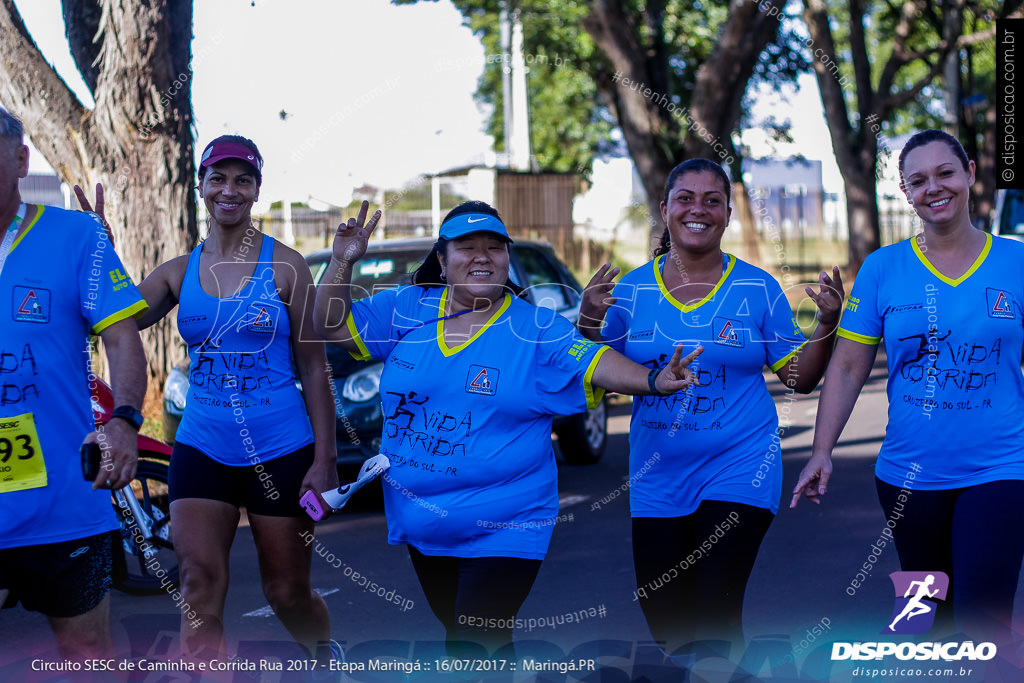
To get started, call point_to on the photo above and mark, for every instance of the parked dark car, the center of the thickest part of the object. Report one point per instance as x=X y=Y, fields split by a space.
x=534 y=266
x=1008 y=220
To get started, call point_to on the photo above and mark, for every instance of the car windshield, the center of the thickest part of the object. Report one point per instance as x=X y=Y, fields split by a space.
x=1011 y=220
x=377 y=271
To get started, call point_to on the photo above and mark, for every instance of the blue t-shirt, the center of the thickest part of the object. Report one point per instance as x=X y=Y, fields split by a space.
x=243 y=406
x=61 y=279
x=468 y=429
x=953 y=347
x=717 y=441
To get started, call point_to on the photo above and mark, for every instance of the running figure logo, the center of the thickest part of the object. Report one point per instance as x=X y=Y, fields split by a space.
x=917 y=594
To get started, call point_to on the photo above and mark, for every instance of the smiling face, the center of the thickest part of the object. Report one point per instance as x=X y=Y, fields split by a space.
x=476 y=266
x=229 y=190
x=697 y=212
x=937 y=185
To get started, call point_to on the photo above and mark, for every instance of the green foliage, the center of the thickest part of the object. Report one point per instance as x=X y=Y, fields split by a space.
x=571 y=122
x=568 y=123
x=927 y=108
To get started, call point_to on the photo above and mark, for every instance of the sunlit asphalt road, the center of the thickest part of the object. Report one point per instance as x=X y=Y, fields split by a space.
x=581 y=608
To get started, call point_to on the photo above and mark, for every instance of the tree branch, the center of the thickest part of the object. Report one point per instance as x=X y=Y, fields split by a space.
x=861 y=63
x=614 y=34
x=722 y=78
x=82 y=26
x=890 y=102
x=32 y=90
x=987 y=34
x=899 y=57
x=816 y=18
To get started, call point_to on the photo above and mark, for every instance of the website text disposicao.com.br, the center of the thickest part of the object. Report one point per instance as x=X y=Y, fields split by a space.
x=952 y=659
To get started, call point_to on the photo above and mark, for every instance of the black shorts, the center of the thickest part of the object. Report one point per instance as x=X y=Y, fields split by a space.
x=63 y=579
x=266 y=488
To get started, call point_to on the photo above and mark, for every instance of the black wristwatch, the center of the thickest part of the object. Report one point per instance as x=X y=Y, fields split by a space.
x=129 y=415
x=651 y=376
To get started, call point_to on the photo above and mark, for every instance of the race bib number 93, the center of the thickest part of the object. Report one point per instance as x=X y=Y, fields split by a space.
x=21 y=458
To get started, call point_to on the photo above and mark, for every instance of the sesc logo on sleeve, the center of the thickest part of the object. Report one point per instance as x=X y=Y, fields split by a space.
x=482 y=380
x=31 y=305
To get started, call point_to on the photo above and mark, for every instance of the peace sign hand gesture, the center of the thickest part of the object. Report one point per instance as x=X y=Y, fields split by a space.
x=87 y=207
x=676 y=376
x=351 y=238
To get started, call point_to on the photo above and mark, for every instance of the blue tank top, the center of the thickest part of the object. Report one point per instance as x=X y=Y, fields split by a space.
x=243 y=405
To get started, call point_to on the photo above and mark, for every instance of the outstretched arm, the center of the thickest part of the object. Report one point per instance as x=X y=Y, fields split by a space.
x=160 y=289
x=615 y=372
x=311 y=363
x=844 y=379
x=334 y=293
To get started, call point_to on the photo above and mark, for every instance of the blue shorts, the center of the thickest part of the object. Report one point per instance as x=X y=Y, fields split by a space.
x=267 y=488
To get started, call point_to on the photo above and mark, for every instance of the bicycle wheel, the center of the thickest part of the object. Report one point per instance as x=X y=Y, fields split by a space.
x=146 y=567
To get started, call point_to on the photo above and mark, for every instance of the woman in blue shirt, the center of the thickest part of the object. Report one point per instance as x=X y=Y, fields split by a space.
x=950 y=473
x=473 y=375
x=248 y=437
x=705 y=470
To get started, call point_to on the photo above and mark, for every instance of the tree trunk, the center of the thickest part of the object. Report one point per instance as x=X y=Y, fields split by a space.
x=743 y=211
x=856 y=146
x=660 y=132
x=654 y=185
x=861 y=215
x=137 y=141
x=985 y=178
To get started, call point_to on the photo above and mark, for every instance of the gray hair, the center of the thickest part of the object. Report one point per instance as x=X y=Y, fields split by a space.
x=11 y=129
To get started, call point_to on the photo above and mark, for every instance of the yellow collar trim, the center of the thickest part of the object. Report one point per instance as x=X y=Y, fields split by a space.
x=970 y=271
x=680 y=305
x=442 y=305
x=24 y=230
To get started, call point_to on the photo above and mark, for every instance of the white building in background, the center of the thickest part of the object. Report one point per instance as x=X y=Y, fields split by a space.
x=46 y=189
x=787 y=193
x=604 y=208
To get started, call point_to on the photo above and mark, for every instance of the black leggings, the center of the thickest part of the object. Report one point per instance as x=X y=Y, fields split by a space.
x=692 y=571
x=476 y=598
x=973 y=534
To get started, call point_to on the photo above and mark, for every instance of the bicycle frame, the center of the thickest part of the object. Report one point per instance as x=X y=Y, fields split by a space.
x=144 y=535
